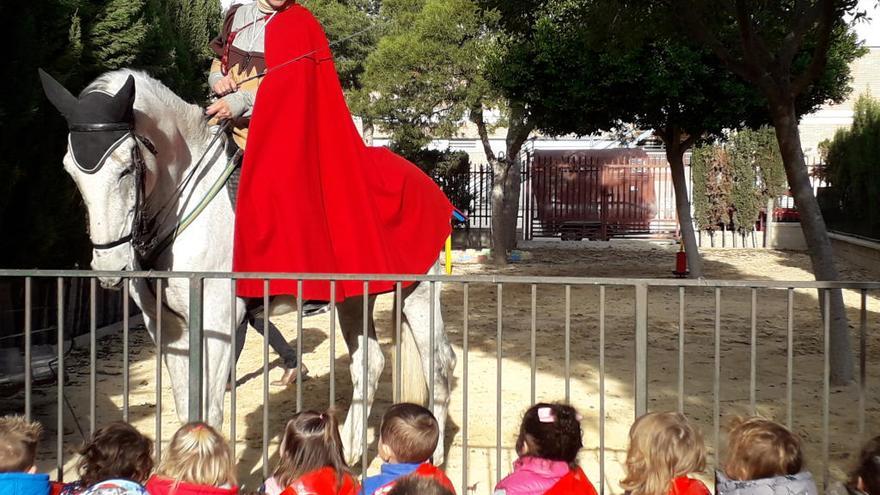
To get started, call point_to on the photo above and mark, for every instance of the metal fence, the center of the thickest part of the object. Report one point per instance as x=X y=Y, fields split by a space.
x=584 y=323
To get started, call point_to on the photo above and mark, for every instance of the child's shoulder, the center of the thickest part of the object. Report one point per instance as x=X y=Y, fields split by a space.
x=684 y=485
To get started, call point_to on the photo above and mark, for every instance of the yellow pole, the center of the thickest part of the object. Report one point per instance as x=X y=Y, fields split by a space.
x=449 y=255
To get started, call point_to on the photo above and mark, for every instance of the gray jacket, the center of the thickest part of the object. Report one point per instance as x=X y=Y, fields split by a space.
x=798 y=484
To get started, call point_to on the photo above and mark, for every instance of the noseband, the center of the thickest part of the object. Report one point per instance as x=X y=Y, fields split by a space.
x=137 y=230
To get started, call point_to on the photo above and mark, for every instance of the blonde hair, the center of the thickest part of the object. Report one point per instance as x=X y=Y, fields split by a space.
x=759 y=448
x=18 y=443
x=198 y=455
x=662 y=447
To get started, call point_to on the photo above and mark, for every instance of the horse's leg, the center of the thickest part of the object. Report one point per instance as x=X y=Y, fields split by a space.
x=417 y=312
x=218 y=316
x=351 y=321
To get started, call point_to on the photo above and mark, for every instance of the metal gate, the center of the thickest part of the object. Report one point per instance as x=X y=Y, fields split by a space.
x=599 y=194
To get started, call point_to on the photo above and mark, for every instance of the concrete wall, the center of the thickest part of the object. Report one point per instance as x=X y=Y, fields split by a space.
x=860 y=252
x=787 y=236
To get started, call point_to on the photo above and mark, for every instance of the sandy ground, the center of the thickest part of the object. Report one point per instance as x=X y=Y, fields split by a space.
x=620 y=259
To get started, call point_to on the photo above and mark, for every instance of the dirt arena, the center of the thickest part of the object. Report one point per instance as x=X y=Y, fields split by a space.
x=619 y=259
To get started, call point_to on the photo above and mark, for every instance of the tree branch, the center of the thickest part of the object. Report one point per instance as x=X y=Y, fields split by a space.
x=476 y=115
x=752 y=43
x=688 y=13
x=794 y=40
x=819 y=59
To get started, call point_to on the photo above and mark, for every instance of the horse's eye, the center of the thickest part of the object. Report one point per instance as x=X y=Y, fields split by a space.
x=126 y=171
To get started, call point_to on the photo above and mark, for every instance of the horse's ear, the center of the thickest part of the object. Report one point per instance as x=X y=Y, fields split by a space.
x=58 y=94
x=124 y=98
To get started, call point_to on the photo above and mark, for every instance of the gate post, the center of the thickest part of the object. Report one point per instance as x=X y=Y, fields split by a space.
x=196 y=349
x=641 y=341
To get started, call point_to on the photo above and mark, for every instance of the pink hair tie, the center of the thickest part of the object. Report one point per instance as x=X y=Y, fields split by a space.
x=545 y=415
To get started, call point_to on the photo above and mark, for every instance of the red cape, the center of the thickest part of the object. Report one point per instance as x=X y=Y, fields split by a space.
x=313 y=198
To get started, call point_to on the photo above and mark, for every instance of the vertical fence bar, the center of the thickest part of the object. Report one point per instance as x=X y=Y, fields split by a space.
x=233 y=362
x=681 y=349
x=641 y=369
x=366 y=373
x=863 y=355
x=753 y=355
x=299 y=345
x=826 y=388
x=158 y=370
x=93 y=354
x=500 y=293
x=59 y=376
x=266 y=323
x=789 y=375
x=196 y=350
x=601 y=390
x=332 y=343
x=125 y=350
x=716 y=378
x=28 y=323
x=398 y=324
x=567 y=344
x=431 y=338
x=533 y=361
x=464 y=398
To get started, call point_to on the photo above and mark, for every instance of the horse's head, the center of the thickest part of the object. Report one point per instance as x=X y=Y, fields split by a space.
x=103 y=159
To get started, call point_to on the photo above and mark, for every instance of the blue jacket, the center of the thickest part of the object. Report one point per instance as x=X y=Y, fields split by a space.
x=390 y=472
x=24 y=484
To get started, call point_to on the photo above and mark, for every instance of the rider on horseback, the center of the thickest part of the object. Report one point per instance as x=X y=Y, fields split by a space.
x=240 y=52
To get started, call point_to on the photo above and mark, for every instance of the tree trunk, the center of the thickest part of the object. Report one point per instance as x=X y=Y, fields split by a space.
x=816 y=236
x=367 y=131
x=505 y=200
x=675 y=157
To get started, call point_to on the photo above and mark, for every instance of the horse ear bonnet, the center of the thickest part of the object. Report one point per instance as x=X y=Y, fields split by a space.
x=89 y=148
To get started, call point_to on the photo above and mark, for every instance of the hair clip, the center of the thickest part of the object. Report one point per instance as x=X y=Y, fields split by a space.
x=546 y=415
x=876 y=459
x=578 y=417
x=198 y=427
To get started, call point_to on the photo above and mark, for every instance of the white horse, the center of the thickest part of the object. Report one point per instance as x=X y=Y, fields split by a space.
x=167 y=138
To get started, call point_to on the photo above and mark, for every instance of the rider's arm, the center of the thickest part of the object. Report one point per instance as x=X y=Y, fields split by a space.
x=241 y=103
x=216 y=74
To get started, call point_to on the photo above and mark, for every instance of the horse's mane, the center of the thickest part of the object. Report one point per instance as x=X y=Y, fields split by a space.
x=150 y=92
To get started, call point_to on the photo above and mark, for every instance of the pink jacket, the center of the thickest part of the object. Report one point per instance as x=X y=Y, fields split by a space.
x=532 y=476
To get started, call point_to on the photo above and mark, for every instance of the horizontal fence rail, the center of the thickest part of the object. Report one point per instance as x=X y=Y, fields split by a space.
x=583 y=318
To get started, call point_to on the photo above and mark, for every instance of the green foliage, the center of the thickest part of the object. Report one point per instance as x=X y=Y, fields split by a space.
x=41 y=215
x=427 y=72
x=732 y=183
x=712 y=181
x=853 y=169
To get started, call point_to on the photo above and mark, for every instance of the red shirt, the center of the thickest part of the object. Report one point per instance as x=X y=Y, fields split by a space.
x=158 y=485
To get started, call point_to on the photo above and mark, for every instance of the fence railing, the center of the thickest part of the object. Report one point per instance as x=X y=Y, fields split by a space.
x=581 y=317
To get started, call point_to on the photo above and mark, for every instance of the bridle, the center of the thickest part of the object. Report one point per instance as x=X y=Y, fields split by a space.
x=137 y=232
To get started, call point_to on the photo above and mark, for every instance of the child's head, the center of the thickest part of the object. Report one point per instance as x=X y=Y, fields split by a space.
x=662 y=446
x=311 y=441
x=408 y=434
x=116 y=450
x=550 y=431
x=759 y=448
x=18 y=444
x=418 y=485
x=199 y=455
x=866 y=476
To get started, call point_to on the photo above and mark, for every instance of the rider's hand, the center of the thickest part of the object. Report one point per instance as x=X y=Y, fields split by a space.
x=219 y=109
x=225 y=86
